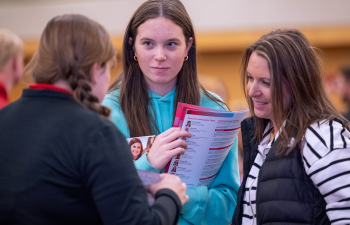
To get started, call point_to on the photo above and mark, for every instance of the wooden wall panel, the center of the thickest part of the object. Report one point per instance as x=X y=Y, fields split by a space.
x=219 y=56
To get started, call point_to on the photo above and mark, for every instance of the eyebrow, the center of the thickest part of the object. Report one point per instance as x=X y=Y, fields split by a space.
x=169 y=40
x=259 y=78
x=146 y=39
x=173 y=39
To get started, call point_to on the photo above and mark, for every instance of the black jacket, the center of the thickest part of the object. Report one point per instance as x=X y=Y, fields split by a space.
x=61 y=163
x=285 y=194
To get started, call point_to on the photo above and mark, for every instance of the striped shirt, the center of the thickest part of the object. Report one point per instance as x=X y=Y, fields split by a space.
x=249 y=206
x=326 y=157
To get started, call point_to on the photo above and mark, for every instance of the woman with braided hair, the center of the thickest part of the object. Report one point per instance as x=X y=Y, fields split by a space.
x=61 y=160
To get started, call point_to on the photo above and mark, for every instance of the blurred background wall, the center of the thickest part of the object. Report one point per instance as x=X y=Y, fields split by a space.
x=224 y=28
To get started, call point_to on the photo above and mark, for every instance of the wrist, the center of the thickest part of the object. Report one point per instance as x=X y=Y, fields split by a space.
x=152 y=163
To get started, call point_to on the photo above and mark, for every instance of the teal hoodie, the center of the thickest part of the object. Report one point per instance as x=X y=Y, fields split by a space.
x=213 y=205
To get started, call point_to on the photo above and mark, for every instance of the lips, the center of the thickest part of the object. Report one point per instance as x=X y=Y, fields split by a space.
x=160 y=69
x=259 y=105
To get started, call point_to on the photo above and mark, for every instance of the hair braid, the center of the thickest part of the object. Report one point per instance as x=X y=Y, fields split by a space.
x=69 y=47
x=83 y=92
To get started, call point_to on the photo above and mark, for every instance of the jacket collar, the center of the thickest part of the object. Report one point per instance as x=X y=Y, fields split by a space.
x=3 y=93
x=49 y=87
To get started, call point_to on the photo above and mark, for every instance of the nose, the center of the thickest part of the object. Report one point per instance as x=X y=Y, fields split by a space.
x=160 y=54
x=253 y=89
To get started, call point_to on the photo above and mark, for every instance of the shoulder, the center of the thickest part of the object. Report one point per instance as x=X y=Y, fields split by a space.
x=100 y=131
x=93 y=120
x=112 y=98
x=248 y=126
x=205 y=101
x=323 y=137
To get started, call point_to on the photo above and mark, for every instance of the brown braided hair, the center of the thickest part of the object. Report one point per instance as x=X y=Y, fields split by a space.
x=69 y=46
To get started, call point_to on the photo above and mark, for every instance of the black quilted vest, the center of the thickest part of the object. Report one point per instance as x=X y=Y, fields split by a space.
x=285 y=194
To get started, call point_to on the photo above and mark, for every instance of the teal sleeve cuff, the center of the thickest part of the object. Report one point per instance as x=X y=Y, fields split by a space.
x=197 y=203
x=143 y=164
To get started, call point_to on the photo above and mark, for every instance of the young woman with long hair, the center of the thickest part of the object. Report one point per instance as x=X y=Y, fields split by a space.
x=296 y=144
x=62 y=161
x=160 y=70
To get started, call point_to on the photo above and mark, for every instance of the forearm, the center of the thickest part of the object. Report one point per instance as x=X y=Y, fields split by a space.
x=115 y=188
x=167 y=206
x=327 y=164
x=331 y=175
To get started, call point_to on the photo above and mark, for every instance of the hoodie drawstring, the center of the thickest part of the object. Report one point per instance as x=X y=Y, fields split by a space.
x=158 y=116
x=171 y=109
x=159 y=120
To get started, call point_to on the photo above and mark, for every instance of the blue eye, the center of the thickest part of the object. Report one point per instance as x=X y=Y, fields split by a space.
x=266 y=83
x=148 y=44
x=172 y=44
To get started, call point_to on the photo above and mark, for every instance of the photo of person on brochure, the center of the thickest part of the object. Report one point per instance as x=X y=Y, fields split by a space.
x=150 y=141
x=140 y=145
x=174 y=169
x=136 y=148
x=176 y=163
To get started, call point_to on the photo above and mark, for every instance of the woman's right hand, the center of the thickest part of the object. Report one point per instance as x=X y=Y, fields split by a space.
x=166 y=146
x=171 y=182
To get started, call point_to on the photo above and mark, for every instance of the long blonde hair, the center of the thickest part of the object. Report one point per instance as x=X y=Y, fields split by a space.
x=69 y=46
x=294 y=63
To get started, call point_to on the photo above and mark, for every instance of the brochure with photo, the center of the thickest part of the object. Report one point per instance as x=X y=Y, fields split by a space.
x=140 y=145
x=213 y=133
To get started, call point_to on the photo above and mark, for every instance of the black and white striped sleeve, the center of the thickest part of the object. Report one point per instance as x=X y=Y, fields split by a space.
x=326 y=157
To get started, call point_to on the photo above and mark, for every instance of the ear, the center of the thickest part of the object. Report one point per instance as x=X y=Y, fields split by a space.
x=17 y=67
x=16 y=64
x=133 y=46
x=95 y=71
x=189 y=44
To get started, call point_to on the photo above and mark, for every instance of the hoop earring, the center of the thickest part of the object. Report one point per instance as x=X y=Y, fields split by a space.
x=186 y=58
x=135 y=58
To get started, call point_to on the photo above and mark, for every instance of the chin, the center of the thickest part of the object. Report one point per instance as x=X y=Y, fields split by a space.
x=262 y=116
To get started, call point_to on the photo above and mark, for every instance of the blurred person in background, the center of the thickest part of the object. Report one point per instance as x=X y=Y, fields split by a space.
x=344 y=82
x=11 y=63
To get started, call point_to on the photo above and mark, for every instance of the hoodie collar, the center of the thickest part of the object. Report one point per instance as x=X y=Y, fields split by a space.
x=166 y=98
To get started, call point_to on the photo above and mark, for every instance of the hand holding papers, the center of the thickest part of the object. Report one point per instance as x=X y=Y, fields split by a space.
x=213 y=133
x=154 y=182
x=206 y=134
x=166 y=146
